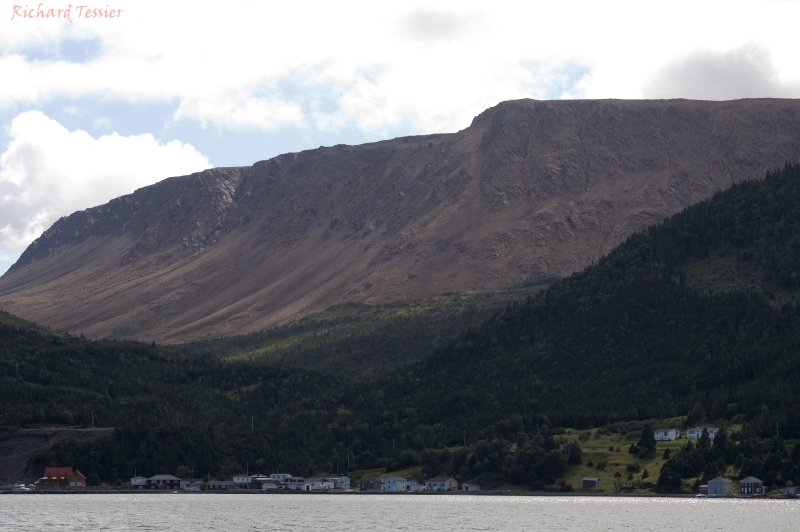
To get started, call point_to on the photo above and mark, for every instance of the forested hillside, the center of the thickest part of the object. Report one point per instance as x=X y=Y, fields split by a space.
x=363 y=341
x=635 y=337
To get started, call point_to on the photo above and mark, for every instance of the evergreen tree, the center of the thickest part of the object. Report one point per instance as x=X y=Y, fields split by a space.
x=646 y=446
x=573 y=453
x=704 y=443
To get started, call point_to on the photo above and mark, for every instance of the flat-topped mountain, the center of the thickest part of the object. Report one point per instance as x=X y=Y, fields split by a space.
x=529 y=190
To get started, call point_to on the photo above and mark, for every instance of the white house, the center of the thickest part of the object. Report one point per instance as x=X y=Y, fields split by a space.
x=399 y=485
x=441 y=484
x=241 y=479
x=720 y=487
x=279 y=477
x=138 y=482
x=271 y=485
x=667 y=434
x=695 y=433
x=318 y=484
x=340 y=482
x=295 y=483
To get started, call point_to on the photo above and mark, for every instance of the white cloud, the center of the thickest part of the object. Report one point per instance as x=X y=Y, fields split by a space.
x=430 y=25
x=245 y=111
x=48 y=171
x=745 y=72
x=383 y=66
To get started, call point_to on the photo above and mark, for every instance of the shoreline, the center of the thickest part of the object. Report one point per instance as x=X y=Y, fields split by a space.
x=378 y=493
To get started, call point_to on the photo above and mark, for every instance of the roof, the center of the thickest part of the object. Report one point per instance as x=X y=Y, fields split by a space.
x=591 y=479
x=163 y=477
x=439 y=479
x=750 y=480
x=57 y=472
x=77 y=475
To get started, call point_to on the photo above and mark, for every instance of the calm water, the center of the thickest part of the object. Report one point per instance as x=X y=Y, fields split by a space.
x=389 y=512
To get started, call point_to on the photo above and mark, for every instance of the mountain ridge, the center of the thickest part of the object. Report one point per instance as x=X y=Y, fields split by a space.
x=529 y=189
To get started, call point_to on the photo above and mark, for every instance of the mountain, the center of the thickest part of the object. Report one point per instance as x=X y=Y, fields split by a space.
x=529 y=190
x=639 y=336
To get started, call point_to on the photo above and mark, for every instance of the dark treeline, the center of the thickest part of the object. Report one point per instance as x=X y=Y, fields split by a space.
x=643 y=334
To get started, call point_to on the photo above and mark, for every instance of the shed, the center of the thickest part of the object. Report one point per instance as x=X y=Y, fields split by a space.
x=591 y=482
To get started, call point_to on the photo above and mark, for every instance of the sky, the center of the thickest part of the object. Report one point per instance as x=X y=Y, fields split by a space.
x=99 y=99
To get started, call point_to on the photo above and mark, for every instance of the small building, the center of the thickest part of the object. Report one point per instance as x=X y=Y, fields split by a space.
x=219 y=485
x=341 y=482
x=669 y=434
x=695 y=433
x=470 y=486
x=295 y=483
x=590 y=483
x=241 y=479
x=191 y=484
x=370 y=484
x=318 y=484
x=61 y=477
x=138 y=482
x=398 y=484
x=279 y=477
x=703 y=489
x=163 y=482
x=76 y=480
x=271 y=485
x=256 y=481
x=751 y=486
x=441 y=484
x=720 y=487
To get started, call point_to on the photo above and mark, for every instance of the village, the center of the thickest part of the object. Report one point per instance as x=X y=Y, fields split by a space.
x=584 y=479
x=67 y=479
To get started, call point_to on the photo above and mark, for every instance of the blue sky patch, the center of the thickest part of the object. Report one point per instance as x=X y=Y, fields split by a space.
x=70 y=50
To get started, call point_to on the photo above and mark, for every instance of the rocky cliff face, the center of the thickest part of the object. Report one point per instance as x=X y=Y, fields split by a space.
x=530 y=189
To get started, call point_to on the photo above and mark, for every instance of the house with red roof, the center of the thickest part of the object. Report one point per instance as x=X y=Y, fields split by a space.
x=61 y=477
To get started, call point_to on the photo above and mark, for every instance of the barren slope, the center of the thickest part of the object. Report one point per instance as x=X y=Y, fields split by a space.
x=530 y=189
